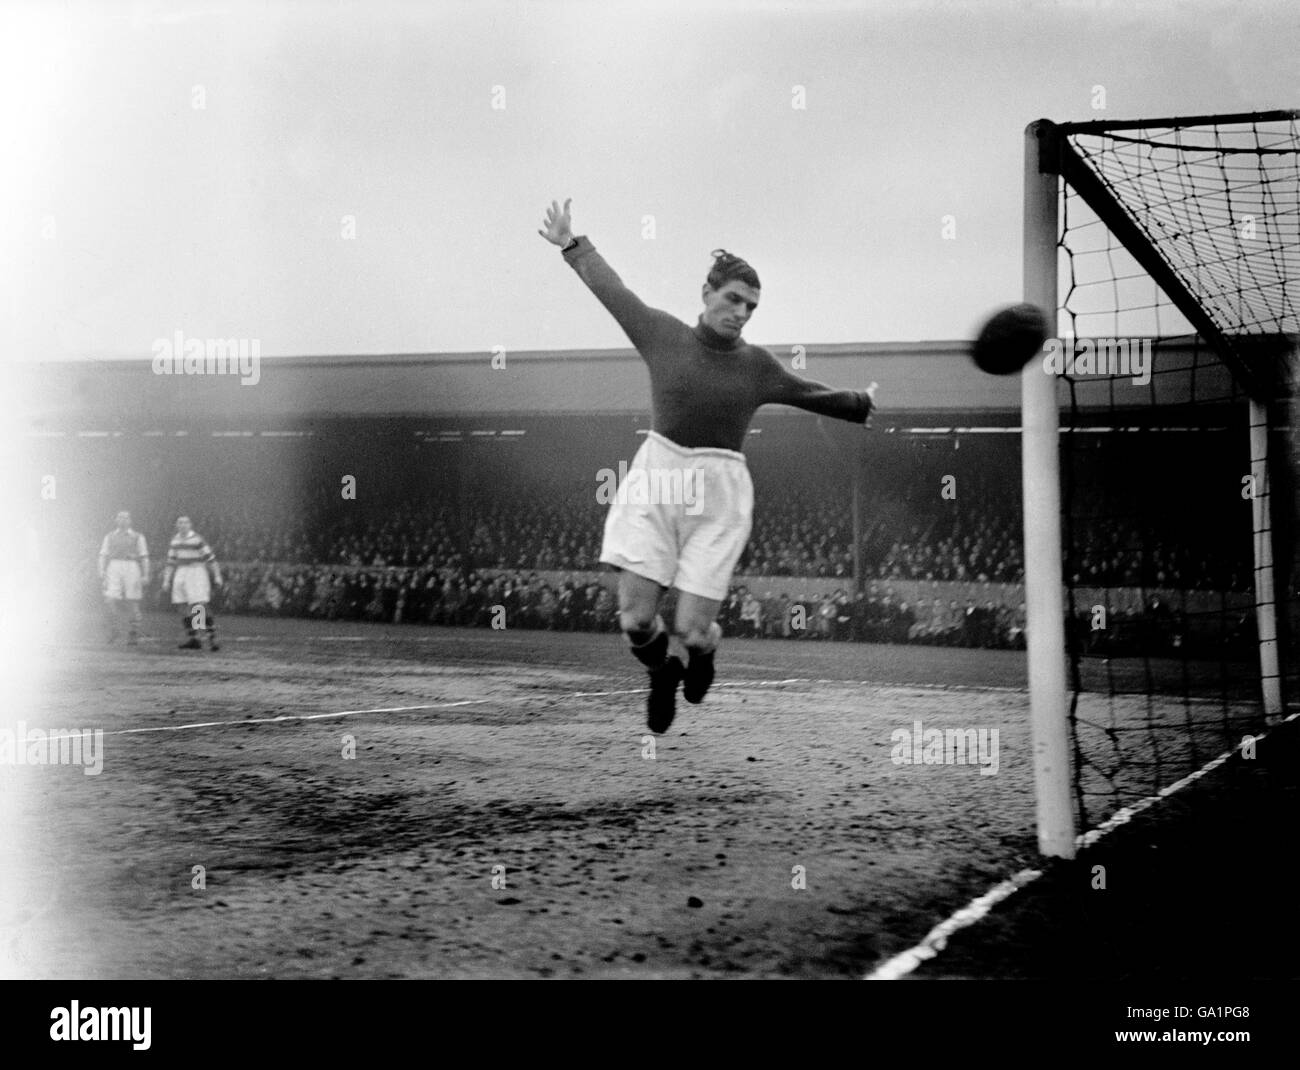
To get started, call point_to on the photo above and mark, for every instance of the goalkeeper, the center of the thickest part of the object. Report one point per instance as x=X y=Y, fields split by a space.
x=706 y=383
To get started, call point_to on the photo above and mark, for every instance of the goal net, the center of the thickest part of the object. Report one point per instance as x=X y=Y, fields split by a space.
x=1174 y=272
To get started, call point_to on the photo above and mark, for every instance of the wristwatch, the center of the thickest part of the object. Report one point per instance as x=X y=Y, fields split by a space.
x=573 y=243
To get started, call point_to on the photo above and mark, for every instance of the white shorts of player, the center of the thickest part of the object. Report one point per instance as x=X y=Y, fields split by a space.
x=684 y=520
x=123 y=579
x=191 y=585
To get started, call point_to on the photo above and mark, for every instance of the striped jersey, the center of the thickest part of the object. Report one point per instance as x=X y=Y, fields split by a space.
x=123 y=546
x=189 y=550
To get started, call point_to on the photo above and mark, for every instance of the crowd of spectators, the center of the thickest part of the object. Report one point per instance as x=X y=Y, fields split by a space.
x=875 y=615
x=443 y=596
x=526 y=600
x=793 y=535
x=476 y=559
x=1113 y=551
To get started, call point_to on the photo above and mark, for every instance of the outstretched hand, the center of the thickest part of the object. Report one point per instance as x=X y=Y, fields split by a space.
x=558 y=230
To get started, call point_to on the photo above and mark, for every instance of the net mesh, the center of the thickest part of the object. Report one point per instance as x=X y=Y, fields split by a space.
x=1167 y=503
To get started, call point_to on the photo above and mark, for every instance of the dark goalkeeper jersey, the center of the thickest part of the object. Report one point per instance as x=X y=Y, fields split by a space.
x=705 y=388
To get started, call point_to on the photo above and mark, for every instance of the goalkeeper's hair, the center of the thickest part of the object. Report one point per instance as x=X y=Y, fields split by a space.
x=728 y=267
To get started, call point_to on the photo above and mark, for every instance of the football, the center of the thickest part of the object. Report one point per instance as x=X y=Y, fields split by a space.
x=1009 y=339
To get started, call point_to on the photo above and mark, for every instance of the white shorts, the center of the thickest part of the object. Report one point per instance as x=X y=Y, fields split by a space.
x=191 y=585
x=681 y=517
x=123 y=579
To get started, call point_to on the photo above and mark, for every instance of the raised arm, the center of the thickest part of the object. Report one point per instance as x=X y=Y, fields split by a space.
x=786 y=388
x=639 y=321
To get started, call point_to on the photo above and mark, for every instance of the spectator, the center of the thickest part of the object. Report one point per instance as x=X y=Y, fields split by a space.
x=751 y=616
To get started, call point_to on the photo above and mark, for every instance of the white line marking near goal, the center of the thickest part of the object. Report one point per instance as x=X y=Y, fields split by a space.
x=937 y=938
x=977 y=909
x=1124 y=816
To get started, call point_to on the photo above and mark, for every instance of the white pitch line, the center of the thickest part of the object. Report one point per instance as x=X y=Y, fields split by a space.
x=937 y=938
x=1124 y=816
x=909 y=686
x=401 y=709
x=476 y=701
x=977 y=909
x=286 y=717
x=995 y=688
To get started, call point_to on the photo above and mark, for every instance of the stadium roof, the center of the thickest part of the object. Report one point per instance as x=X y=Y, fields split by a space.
x=935 y=380
x=914 y=377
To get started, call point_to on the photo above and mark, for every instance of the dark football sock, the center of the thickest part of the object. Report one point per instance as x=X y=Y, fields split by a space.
x=651 y=651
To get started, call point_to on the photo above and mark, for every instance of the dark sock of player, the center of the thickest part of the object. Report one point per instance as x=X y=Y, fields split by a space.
x=665 y=674
x=699 y=675
x=649 y=648
x=699 y=669
x=661 y=703
x=191 y=636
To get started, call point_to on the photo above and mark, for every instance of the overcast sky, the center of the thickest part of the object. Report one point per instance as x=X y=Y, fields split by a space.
x=193 y=166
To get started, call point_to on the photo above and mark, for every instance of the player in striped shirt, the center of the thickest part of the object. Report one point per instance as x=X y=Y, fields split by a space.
x=191 y=571
x=124 y=571
x=706 y=383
